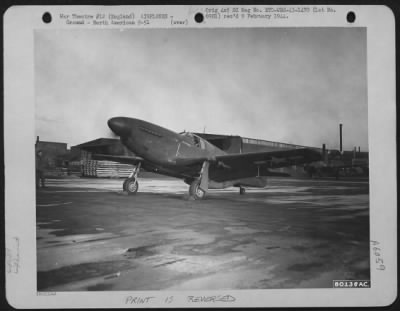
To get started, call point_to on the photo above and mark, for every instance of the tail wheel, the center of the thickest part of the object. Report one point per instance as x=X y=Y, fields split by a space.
x=195 y=191
x=242 y=190
x=131 y=185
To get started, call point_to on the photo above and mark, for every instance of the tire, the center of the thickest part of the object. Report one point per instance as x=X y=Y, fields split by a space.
x=131 y=185
x=195 y=191
x=242 y=190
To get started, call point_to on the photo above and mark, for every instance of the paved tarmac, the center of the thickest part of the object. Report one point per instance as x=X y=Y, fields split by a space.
x=292 y=234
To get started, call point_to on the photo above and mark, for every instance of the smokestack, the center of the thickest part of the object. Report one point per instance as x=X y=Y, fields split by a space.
x=323 y=152
x=37 y=139
x=340 y=133
x=359 y=149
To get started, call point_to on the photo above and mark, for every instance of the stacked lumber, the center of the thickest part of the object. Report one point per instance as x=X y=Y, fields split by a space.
x=113 y=169
x=89 y=168
x=93 y=168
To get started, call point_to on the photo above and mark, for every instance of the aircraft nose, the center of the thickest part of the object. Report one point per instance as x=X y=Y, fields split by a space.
x=119 y=126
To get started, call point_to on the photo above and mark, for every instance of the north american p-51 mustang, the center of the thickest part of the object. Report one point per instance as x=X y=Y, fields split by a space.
x=199 y=163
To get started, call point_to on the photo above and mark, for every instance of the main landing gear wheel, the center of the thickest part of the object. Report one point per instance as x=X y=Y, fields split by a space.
x=242 y=190
x=195 y=191
x=131 y=185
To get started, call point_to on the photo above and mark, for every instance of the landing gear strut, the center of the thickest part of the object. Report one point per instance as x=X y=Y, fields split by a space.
x=195 y=191
x=199 y=186
x=131 y=185
x=242 y=190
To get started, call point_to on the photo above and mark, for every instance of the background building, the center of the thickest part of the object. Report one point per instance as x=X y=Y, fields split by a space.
x=55 y=155
x=78 y=160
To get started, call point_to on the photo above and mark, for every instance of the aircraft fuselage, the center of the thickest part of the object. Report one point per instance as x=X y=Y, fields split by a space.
x=193 y=159
x=163 y=150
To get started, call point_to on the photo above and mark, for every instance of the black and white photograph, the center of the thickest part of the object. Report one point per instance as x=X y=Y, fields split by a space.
x=136 y=128
x=184 y=159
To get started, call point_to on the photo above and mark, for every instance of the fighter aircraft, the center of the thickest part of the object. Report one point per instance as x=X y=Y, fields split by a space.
x=189 y=157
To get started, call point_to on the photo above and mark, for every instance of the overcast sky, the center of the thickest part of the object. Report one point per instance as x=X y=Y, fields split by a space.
x=289 y=85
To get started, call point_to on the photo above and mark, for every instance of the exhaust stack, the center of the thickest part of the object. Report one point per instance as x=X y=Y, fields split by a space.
x=341 y=139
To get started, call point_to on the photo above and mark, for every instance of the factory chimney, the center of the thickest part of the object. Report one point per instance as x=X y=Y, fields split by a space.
x=340 y=133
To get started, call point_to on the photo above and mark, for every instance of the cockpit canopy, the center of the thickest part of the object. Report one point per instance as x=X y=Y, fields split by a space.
x=196 y=140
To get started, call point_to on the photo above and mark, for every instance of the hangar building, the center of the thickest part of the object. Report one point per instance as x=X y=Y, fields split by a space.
x=55 y=155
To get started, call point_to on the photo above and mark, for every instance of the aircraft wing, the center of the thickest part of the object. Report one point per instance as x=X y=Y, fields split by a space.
x=270 y=159
x=233 y=166
x=134 y=160
x=243 y=165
